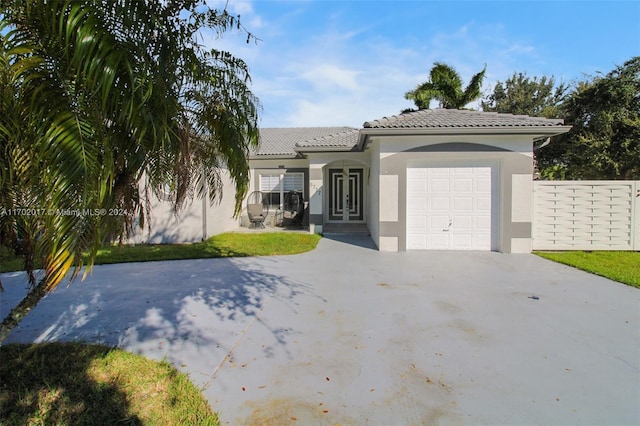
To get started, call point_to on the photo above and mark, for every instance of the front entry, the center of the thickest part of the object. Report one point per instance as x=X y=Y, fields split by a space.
x=346 y=194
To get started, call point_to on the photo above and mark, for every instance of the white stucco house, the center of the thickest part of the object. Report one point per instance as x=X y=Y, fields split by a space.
x=432 y=179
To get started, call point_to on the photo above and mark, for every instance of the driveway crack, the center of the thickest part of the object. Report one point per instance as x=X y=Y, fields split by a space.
x=228 y=355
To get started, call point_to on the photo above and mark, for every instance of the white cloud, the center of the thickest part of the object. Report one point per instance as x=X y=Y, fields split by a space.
x=343 y=74
x=241 y=7
x=255 y=23
x=327 y=77
x=330 y=111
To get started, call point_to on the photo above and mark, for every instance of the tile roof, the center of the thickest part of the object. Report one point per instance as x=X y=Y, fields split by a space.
x=452 y=118
x=290 y=142
x=282 y=142
x=345 y=139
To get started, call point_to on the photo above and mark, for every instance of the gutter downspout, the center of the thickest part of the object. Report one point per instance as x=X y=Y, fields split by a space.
x=546 y=141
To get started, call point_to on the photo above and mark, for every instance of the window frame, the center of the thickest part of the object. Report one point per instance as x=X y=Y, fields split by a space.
x=281 y=187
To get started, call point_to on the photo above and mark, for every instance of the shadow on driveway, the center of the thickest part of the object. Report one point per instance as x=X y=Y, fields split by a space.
x=193 y=312
x=358 y=240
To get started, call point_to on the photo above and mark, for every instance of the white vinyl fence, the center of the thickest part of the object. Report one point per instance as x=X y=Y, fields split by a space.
x=586 y=215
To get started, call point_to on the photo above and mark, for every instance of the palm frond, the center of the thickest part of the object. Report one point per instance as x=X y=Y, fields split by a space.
x=96 y=95
x=445 y=86
x=473 y=90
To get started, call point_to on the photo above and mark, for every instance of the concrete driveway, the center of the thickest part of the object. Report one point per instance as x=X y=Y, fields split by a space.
x=347 y=335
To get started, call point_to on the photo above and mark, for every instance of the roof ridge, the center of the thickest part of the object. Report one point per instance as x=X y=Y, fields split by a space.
x=307 y=127
x=442 y=117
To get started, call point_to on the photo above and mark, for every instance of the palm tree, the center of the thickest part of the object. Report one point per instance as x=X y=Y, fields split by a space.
x=96 y=95
x=445 y=86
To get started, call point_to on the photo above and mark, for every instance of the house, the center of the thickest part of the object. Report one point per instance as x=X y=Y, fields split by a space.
x=431 y=179
x=436 y=179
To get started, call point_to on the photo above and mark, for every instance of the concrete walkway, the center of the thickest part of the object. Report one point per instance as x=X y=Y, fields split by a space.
x=347 y=335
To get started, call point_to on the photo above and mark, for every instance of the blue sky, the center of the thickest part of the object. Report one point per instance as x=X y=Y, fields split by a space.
x=335 y=63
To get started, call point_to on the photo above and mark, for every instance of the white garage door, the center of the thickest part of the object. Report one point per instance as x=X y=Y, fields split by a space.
x=449 y=208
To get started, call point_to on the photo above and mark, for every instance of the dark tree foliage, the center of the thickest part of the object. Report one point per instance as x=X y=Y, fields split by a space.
x=604 y=142
x=524 y=95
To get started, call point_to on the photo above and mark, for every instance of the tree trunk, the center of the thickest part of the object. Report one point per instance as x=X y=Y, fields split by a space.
x=16 y=315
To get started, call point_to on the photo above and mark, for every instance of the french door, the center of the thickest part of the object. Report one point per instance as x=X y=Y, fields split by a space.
x=346 y=194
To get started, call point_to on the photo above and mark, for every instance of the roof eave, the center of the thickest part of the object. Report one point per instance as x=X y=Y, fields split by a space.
x=287 y=156
x=301 y=149
x=535 y=131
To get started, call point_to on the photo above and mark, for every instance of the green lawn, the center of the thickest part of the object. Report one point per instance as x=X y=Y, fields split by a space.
x=231 y=244
x=621 y=266
x=74 y=384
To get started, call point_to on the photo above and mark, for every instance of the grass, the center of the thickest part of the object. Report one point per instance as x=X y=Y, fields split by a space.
x=621 y=266
x=231 y=244
x=9 y=262
x=74 y=384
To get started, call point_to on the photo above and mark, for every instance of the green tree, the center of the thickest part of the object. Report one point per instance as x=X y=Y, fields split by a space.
x=604 y=142
x=445 y=86
x=536 y=97
x=524 y=95
x=101 y=104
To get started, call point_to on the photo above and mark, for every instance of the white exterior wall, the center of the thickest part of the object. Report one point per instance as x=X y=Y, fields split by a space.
x=219 y=216
x=167 y=227
x=374 y=194
x=515 y=143
x=316 y=195
x=196 y=221
x=586 y=215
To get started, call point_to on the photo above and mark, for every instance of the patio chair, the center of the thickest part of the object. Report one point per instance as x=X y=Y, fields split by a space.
x=294 y=207
x=257 y=209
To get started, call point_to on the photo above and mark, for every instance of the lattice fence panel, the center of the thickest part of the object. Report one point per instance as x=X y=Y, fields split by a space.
x=586 y=215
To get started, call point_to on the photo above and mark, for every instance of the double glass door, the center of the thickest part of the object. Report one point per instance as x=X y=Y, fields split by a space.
x=346 y=194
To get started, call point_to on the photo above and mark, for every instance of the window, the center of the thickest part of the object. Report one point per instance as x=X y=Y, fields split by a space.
x=276 y=185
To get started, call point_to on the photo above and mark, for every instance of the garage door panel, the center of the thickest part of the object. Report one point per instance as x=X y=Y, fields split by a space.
x=463 y=204
x=456 y=205
x=482 y=240
x=437 y=242
x=440 y=204
x=483 y=204
x=461 y=171
x=417 y=224
x=435 y=172
x=463 y=185
x=463 y=223
x=438 y=223
x=482 y=185
x=417 y=205
x=417 y=241
x=462 y=242
x=436 y=185
x=416 y=186
x=481 y=223
x=417 y=173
